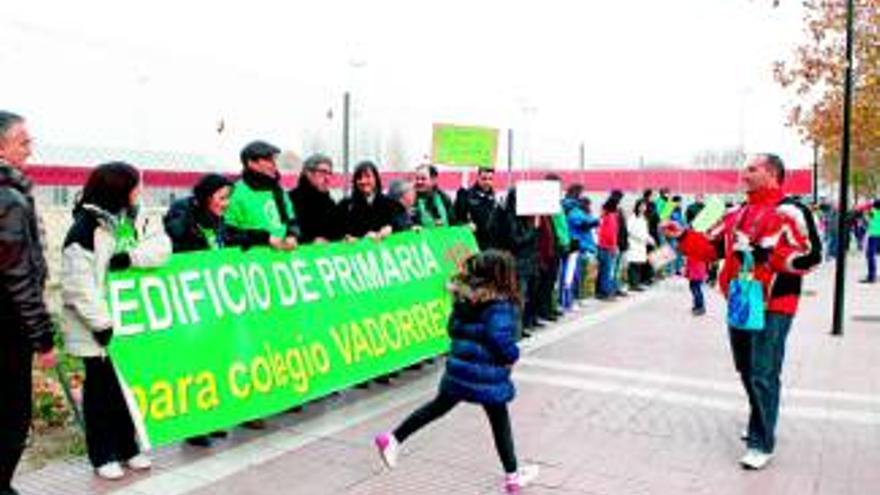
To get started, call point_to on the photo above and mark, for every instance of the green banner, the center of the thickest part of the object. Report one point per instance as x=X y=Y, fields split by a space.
x=216 y=338
x=465 y=146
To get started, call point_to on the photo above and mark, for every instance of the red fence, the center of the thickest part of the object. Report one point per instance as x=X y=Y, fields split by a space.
x=685 y=181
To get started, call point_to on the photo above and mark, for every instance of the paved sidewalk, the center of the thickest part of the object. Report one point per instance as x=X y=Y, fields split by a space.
x=634 y=397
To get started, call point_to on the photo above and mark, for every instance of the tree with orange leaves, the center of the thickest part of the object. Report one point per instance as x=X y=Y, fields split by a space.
x=815 y=76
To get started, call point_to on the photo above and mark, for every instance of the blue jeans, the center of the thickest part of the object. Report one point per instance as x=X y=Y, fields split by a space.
x=871 y=253
x=697 y=293
x=758 y=357
x=606 y=281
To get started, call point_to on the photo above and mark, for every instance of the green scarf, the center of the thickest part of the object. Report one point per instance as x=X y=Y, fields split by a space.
x=425 y=217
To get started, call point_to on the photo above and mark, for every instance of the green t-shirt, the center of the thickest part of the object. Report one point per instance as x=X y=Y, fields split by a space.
x=252 y=209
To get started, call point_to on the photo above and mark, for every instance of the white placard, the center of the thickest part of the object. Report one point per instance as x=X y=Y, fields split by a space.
x=538 y=197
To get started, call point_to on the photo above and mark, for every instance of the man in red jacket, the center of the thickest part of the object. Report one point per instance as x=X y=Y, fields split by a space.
x=782 y=237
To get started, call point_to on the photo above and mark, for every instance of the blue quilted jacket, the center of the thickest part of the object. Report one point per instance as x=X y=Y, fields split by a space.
x=483 y=350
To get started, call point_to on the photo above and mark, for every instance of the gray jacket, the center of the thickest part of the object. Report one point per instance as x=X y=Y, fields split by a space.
x=89 y=245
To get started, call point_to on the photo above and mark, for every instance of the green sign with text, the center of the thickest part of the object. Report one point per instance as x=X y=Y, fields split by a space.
x=216 y=338
x=464 y=145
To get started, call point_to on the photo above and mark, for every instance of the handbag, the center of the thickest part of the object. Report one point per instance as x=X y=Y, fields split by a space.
x=745 y=300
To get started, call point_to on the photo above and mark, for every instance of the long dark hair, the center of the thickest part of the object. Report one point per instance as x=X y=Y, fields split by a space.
x=493 y=271
x=361 y=169
x=109 y=187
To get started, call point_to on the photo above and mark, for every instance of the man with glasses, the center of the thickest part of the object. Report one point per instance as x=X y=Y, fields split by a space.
x=315 y=208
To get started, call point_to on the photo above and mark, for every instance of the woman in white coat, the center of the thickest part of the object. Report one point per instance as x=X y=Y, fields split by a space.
x=104 y=238
x=639 y=241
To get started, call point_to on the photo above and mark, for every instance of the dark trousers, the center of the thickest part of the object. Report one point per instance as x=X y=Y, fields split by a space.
x=499 y=419
x=528 y=291
x=547 y=277
x=758 y=357
x=15 y=403
x=871 y=252
x=635 y=274
x=110 y=434
x=697 y=293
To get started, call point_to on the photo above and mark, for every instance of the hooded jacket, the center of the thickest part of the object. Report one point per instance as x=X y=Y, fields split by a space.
x=89 y=245
x=23 y=314
x=482 y=352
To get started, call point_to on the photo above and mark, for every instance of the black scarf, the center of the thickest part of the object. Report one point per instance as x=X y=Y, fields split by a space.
x=261 y=182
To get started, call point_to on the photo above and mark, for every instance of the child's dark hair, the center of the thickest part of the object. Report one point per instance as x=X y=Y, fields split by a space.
x=493 y=271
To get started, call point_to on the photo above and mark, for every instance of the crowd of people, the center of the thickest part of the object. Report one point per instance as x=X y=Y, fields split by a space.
x=556 y=262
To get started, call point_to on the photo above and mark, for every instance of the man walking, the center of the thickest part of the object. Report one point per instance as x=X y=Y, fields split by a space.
x=25 y=326
x=780 y=235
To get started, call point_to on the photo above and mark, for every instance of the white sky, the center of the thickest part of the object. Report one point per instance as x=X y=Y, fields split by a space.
x=662 y=80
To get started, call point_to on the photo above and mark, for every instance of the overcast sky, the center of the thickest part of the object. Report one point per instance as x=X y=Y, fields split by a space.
x=661 y=80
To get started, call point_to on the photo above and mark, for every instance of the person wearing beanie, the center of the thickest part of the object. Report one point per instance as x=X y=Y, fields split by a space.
x=258 y=201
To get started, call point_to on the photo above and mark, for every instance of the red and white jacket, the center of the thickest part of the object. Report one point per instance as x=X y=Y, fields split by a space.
x=784 y=240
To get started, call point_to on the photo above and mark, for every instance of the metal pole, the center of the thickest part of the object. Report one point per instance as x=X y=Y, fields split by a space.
x=582 y=160
x=346 y=124
x=509 y=157
x=815 y=172
x=843 y=208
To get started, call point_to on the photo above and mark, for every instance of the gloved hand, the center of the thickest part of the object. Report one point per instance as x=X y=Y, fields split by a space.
x=120 y=261
x=103 y=336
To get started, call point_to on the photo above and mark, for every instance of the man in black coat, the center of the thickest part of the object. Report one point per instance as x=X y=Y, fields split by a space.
x=25 y=326
x=475 y=205
x=312 y=203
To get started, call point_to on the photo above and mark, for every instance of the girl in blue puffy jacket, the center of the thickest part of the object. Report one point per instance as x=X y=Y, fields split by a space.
x=483 y=328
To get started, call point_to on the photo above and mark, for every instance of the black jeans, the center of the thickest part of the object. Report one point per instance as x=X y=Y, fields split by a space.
x=110 y=434
x=498 y=416
x=758 y=357
x=15 y=403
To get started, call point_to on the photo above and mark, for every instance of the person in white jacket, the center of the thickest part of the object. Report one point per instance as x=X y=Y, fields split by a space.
x=103 y=238
x=639 y=241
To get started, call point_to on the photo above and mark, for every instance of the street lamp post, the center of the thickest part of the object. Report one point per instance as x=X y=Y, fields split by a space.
x=843 y=208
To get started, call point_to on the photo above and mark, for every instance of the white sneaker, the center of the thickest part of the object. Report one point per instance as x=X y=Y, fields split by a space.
x=744 y=434
x=110 y=471
x=388 y=447
x=139 y=462
x=523 y=476
x=755 y=459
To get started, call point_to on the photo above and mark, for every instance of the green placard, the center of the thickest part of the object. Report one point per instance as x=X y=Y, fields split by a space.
x=219 y=337
x=464 y=145
x=712 y=213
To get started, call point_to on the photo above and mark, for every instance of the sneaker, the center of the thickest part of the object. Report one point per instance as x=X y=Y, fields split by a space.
x=513 y=482
x=698 y=311
x=744 y=434
x=867 y=281
x=139 y=462
x=110 y=471
x=387 y=445
x=755 y=459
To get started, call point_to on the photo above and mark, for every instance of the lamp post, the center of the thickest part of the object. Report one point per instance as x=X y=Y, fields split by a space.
x=843 y=208
x=354 y=63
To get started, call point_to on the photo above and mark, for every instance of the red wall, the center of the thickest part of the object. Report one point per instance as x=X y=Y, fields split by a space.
x=686 y=181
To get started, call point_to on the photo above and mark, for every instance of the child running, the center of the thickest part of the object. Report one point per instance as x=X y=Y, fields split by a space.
x=482 y=327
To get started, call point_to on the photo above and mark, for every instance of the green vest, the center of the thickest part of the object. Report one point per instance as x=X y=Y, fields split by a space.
x=874 y=223
x=252 y=209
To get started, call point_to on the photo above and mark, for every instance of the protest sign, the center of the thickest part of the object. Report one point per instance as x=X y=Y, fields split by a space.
x=538 y=197
x=464 y=145
x=216 y=338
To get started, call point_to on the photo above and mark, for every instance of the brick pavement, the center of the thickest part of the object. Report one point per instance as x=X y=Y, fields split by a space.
x=635 y=397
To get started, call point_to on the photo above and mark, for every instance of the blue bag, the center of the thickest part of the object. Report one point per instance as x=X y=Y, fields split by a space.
x=745 y=299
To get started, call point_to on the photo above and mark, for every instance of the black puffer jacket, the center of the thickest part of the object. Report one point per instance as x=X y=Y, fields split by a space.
x=476 y=205
x=185 y=223
x=23 y=271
